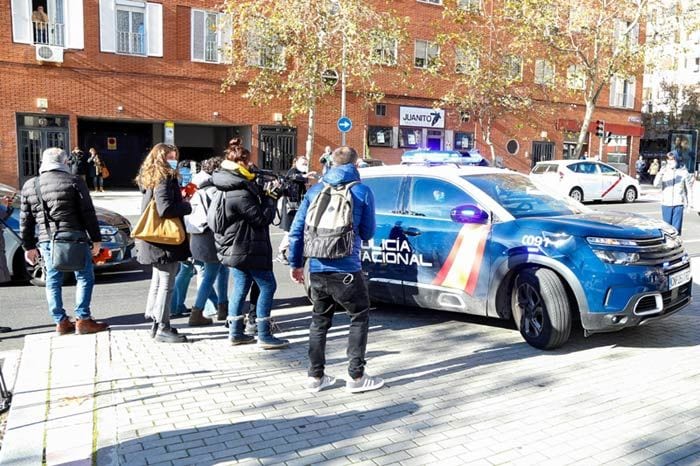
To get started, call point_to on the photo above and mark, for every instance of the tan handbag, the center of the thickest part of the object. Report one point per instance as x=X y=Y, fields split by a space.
x=153 y=228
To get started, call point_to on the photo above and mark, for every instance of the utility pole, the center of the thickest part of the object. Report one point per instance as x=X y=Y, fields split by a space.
x=342 y=90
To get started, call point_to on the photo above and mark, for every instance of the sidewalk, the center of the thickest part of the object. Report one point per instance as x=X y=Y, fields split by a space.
x=458 y=391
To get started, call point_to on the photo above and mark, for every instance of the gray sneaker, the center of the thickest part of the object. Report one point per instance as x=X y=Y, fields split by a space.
x=315 y=385
x=364 y=384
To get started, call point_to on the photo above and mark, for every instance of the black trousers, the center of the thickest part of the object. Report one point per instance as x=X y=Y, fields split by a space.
x=349 y=291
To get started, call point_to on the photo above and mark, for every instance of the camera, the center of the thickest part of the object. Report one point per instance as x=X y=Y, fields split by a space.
x=273 y=185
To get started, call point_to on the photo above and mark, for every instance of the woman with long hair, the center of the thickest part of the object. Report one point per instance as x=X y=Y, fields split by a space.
x=158 y=180
x=96 y=164
x=245 y=246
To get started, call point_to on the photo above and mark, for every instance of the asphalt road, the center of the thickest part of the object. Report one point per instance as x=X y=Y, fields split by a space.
x=120 y=293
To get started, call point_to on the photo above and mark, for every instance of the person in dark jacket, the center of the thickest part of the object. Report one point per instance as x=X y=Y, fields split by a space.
x=78 y=163
x=66 y=200
x=297 y=178
x=337 y=282
x=245 y=246
x=158 y=179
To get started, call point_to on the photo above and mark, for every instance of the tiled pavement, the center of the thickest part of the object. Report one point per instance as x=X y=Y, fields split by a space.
x=459 y=391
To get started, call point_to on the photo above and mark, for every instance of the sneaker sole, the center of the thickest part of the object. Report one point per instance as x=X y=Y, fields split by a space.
x=364 y=389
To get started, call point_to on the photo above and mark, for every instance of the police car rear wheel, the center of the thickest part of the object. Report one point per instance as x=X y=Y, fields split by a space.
x=630 y=195
x=540 y=308
x=576 y=194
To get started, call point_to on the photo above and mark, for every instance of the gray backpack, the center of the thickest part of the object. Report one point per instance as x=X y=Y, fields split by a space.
x=328 y=228
x=216 y=214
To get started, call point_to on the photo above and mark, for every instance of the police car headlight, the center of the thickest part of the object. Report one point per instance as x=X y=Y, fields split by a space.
x=616 y=257
x=596 y=241
x=108 y=230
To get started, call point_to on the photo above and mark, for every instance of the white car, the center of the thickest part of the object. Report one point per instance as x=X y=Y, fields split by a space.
x=585 y=180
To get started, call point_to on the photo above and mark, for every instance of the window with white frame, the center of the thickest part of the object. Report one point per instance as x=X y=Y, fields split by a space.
x=384 y=51
x=625 y=34
x=425 y=54
x=209 y=30
x=544 y=72
x=264 y=52
x=622 y=92
x=131 y=27
x=513 y=67
x=60 y=23
x=466 y=61
x=575 y=77
x=473 y=6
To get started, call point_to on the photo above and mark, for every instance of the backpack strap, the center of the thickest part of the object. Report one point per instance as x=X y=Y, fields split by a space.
x=40 y=200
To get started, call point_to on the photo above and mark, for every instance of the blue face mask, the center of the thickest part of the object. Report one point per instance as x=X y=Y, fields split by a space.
x=173 y=164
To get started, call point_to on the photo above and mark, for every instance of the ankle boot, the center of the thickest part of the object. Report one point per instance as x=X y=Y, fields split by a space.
x=222 y=311
x=197 y=319
x=265 y=338
x=236 y=334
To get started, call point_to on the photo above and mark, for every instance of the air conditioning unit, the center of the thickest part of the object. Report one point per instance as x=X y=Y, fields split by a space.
x=49 y=53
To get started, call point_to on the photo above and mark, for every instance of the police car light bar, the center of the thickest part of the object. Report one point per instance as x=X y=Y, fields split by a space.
x=439 y=157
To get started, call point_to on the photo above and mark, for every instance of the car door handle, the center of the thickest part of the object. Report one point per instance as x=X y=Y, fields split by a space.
x=411 y=231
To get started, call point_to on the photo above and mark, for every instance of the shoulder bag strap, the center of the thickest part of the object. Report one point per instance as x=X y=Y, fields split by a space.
x=40 y=199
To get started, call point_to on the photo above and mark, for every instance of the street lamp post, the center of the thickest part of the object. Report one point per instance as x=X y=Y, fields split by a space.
x=342 y=90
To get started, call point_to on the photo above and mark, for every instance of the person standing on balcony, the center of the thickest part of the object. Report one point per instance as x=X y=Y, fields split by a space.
x=40 y=20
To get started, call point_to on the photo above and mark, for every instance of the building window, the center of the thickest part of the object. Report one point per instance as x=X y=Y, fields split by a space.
x=379 y=136
x=206 y=36
x=512 y=147
x=131 y=30
x=513 y=67
x=384 y=52
x=575 y=78
x=265 y=53
x=544 y=73
x=425 y=54
x=466 y=61
x=410 y=137
x=622 y=92
x=464 y=141
x=472 y=6
x=380 y=109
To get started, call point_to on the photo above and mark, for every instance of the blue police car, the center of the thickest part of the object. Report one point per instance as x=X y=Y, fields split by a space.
x=489 y=242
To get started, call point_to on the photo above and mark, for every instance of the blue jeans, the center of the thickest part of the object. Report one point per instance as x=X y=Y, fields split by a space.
x=54 y=281
x=242 y=280
x=673 y=215
x=209 y=274
x=182 y=283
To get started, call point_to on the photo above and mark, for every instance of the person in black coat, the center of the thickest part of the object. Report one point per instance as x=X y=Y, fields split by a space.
x=297 y=178
x=245 y=246
x=158 y=180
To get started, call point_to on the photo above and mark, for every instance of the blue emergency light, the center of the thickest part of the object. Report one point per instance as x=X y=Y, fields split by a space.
x=440 y=157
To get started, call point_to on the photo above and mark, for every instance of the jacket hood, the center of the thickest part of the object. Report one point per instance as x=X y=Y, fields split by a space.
x=227 y=180
x=341 y=174
x=202 y=179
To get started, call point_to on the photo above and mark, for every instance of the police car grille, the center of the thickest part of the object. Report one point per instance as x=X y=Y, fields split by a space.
x=657 y=252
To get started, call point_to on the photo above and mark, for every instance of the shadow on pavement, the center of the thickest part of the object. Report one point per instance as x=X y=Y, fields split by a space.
x=242 y=440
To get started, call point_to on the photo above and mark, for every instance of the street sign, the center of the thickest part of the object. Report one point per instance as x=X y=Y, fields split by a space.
x=344 y=124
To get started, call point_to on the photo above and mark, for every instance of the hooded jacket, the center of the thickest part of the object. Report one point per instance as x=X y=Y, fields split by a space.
x=68 y=205
x=245 y=243
x=362 y=219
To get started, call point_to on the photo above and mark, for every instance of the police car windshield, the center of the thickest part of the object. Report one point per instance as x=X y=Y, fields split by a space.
x=521 y=198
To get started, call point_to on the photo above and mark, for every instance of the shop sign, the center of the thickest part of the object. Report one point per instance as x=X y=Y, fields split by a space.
x=111 y=143
x=422 y=117
x=169 y=133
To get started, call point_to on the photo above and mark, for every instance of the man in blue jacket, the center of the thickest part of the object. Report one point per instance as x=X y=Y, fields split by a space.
x=337 y=282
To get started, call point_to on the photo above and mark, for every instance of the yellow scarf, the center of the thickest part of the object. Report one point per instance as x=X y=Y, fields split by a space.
x=233 y=166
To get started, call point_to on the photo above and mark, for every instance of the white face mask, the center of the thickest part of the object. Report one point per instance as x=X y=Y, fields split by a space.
x=302 y=166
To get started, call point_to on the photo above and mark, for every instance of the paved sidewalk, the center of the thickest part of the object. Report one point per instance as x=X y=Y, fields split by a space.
x=459 y=391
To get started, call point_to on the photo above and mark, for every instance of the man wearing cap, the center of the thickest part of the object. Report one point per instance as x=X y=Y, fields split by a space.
x=68 y=206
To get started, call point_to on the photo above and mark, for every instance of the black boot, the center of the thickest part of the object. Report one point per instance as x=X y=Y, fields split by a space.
x=222 y=311
x=236 y=334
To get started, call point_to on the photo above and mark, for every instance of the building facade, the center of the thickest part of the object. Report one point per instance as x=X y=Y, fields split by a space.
x=122 y=75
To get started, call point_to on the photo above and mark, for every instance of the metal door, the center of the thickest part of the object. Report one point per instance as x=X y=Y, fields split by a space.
x=35 y=133
x=542 y=151
x=277 y=148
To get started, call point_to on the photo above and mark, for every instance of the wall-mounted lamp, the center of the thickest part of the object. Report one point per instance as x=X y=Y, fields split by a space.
x=120 y=108
x=543 y=134
x=277 y=117
x=215 y=114
x=42 y=103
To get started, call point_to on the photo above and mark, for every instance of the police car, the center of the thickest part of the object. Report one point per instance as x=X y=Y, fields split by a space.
x=487 y=241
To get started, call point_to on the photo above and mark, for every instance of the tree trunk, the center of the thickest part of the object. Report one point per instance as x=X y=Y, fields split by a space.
x=310 y=133
x=583 y=132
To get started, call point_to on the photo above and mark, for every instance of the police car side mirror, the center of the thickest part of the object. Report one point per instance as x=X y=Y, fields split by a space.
x=469 y=213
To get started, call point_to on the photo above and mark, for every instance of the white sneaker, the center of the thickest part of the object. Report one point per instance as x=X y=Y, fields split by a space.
x=364 y=384
x=315 y=385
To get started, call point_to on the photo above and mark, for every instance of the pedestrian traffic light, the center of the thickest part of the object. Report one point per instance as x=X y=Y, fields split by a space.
x=608 y=137
x=600 y=128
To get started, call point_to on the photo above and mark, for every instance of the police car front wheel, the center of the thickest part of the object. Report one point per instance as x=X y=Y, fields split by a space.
x=541 y=308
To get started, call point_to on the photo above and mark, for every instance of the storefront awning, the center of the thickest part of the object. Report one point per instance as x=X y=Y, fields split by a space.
x=614 y=128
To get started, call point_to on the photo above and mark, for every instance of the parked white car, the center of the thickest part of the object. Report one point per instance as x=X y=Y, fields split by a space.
x=585 y=180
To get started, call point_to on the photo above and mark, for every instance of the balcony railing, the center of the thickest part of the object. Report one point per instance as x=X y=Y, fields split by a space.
x=49 y=33
x=132 y=43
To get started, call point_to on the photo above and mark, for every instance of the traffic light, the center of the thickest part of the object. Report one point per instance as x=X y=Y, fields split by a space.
x=600 y=128
x=608 y=137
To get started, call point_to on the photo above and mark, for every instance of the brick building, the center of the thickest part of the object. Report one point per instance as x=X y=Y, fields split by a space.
x=121 y=75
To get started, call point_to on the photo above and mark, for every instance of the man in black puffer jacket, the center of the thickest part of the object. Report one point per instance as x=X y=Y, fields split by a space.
x=68 y=205
x=245 y=246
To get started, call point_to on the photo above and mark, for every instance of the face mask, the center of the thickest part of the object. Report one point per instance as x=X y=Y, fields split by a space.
x=173 y=164
x=302 y=166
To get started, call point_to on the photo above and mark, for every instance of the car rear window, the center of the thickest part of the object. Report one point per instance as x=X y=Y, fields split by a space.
x=541 y=168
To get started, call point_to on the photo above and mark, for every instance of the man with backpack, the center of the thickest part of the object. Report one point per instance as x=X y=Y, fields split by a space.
x=333 y=219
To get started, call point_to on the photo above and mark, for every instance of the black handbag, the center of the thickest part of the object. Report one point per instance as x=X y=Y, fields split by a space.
x=69 y=249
